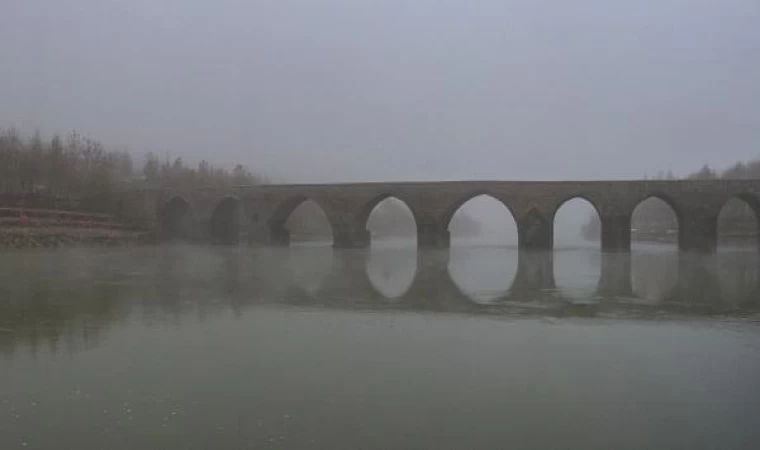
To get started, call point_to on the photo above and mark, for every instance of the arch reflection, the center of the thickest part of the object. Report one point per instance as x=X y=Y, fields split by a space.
x=309 y=266
x=738 y=224
x=391 y=269
x=484 y=274
x=654 y=272
x=429 y=280
x=577 y=273
x=44 y=296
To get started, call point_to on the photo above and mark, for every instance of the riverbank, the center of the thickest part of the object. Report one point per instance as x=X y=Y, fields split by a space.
x=38 y=228
x=59 y=236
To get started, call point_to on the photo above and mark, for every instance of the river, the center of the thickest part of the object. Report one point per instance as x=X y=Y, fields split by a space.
x=389 y=348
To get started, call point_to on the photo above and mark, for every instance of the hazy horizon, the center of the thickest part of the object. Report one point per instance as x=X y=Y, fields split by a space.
x=364 y=90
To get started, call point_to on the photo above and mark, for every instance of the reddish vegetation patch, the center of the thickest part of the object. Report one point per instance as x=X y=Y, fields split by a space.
x=46 y=223
x=20 y=228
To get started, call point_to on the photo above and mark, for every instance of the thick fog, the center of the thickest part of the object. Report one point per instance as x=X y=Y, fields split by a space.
x=340 y=90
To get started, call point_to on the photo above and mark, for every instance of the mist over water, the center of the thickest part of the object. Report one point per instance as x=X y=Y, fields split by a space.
x=480 y=346
x=389 y=347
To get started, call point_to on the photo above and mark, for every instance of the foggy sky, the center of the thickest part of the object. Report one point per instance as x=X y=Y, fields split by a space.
x=360 y=90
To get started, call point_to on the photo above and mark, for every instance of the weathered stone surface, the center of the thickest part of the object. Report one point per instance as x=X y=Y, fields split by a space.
x=257 y=214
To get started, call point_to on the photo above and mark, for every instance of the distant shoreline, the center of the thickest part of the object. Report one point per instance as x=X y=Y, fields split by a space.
x=733 y=238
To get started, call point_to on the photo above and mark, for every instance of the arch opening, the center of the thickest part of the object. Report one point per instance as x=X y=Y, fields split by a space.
x=655 y=221
x=483 y=220
x=225 y=222
x=654 y=241
x=577 y=249
x=305 y=223
x=738 y=224
x=176 y=219
x=577 y=224
x=483 y=254
x=391 y=223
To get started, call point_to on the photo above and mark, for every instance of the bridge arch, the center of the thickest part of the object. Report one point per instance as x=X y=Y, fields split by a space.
x=283 y=224
x=592 y=210
x=739 y=220
x=752 y=201
x=656 y=218
x=482 y=201
x=457 y=205
x=224 y=226
x=377 y=218
x=175 y=219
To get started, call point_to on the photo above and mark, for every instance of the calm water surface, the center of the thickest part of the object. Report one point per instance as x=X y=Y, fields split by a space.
x=306 y=347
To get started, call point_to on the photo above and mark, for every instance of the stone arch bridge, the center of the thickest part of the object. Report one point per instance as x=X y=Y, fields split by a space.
x=257 y=214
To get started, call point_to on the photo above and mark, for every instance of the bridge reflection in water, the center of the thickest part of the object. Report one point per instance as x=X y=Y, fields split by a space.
x=79 y=293
x=472 y=279
x=507 y=280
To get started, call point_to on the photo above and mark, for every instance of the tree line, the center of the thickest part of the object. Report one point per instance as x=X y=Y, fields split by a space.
x=79 y=166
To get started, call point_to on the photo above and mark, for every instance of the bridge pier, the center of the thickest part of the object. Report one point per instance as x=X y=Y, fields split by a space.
x=348 y=282
x=535 y=272
x=221 y=232
x=698 y=233
x=350 y=237
x=535 y=232
x=615 y=279
x=279 y=237
x=616 y=233
x=432 y=288
x=432 y=235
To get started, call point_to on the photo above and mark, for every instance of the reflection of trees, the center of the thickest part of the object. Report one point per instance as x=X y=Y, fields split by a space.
x=56 y=303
